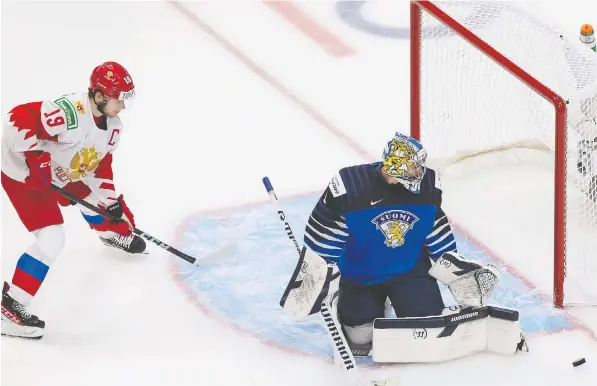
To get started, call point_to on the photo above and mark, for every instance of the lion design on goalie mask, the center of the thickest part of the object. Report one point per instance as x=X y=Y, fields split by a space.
x=394 y=224
x=401 y=156
x=84 y=162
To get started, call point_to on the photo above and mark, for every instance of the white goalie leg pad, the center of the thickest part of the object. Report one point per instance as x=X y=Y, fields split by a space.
x=470 y=283
x=312 y=280
x=441 y=338
x=428 y=339
x=504 y=335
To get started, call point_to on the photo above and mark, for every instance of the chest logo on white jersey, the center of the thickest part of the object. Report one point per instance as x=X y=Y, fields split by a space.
x=394 y=224
x=83 y=162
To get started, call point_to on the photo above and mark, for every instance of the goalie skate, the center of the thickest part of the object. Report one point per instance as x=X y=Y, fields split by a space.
x=16 y=321
x=130 y=244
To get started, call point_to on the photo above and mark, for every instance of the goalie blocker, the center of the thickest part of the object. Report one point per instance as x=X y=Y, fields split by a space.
x=312 y=279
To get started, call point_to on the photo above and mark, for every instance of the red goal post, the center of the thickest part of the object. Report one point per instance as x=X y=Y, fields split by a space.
x=450 y=39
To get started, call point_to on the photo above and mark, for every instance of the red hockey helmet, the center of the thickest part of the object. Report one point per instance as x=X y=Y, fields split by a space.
x=113 y=80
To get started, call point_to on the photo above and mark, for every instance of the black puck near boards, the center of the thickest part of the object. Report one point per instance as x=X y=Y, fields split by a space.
x=579 y=362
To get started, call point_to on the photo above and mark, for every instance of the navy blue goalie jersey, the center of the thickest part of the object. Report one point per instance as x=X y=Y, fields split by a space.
x=374 y=230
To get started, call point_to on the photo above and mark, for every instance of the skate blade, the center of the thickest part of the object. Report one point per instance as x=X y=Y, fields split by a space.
x=13 y=330
x=23 y=337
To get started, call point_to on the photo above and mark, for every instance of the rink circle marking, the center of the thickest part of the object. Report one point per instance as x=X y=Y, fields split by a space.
x=352 y=14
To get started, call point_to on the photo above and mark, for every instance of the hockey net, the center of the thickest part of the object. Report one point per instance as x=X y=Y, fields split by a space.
x=489 y=77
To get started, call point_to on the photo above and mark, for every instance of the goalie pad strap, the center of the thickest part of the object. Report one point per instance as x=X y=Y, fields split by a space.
x=464 y=315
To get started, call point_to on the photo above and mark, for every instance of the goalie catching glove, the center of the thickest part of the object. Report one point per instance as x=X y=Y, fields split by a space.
x=470 y=283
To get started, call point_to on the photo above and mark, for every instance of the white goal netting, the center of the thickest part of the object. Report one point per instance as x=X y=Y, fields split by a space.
x=472 y=105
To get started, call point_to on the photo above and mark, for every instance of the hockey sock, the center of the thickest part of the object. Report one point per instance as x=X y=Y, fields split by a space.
x=27 y=279
x=34 y=264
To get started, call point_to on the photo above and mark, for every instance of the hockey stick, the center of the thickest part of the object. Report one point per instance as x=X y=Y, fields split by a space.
x=274 y=198
x=213 y=256
x=335 y=332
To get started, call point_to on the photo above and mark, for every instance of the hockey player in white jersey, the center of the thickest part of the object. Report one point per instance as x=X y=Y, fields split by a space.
x=69 y=142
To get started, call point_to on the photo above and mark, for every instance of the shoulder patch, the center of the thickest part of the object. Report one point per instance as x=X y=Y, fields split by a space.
x=438 y=183
x=80 y=106
x=72 y=121
x=337 y=186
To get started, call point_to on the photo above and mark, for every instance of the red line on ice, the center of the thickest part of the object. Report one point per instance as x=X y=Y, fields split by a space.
x=331 y=43
x=273 y=82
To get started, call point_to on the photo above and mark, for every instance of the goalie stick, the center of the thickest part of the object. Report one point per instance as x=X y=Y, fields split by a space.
x=213 y=256
x=335 y=332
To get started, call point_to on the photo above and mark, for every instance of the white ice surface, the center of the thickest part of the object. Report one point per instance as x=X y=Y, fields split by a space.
x=203 y=132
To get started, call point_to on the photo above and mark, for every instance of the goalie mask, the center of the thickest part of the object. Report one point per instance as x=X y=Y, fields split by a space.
x=404 y=159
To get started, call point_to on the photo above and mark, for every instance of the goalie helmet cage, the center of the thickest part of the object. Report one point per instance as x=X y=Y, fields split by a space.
x=489 y=75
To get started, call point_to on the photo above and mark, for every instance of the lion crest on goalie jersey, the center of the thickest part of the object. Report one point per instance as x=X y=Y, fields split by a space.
x=394 y=224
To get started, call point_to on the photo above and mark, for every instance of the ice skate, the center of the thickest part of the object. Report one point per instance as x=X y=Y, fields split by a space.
x=16 y=321
x=131 y=244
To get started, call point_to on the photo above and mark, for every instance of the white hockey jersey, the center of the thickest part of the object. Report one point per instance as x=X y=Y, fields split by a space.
x=81 y=149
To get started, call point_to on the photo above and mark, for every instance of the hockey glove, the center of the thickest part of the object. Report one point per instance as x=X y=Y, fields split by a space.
x=40 y=169
x=470 y=283
x=123 y=221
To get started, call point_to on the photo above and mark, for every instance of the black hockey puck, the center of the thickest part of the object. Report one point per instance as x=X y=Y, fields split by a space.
x=578 y=362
